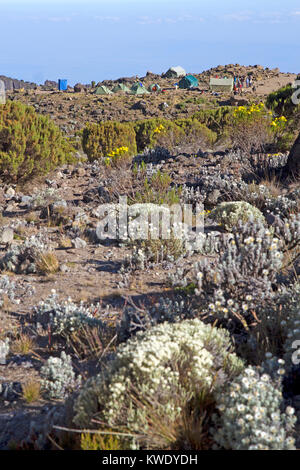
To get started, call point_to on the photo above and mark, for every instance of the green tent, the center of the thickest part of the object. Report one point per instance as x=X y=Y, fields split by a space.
x=137 y=89
x=154 y=87
x=189 y=81
x=121 y=87
x=103 y=90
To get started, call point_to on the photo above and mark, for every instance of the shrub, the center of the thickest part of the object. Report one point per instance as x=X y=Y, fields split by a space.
x=250 y=416
x=280 y=101
x=217 y=120
x=228 y=214
x=251 y=128
x=58 y=377
x=161 y=132
x=22 y=258
x=30 y=144
x=140 y=319
x=240 y=279
x=169 y=134
x=156 y=375
x=65 y=318
x=98 y=140
x=157 y=190
x=196 y=134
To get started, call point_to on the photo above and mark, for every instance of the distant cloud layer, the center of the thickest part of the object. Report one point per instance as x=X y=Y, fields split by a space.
x=272 y=17
x=113 y=19
x=174 y=20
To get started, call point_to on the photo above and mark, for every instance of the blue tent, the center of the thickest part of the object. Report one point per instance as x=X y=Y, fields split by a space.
x=189 y=81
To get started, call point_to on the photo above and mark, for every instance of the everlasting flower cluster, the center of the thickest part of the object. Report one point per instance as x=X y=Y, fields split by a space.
x=247 y=265
x=7 y=287
x=151 y=369
x=292 y=342
x=22 y=258
x=65 y=318
x=134 y=320
x=42 y=199
x=228 y=214
x=250 y=417
x=58 y=377
x=4 y=349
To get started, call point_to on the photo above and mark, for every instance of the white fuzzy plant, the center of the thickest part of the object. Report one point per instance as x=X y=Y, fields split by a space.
x=4 y=350
x=58 y=377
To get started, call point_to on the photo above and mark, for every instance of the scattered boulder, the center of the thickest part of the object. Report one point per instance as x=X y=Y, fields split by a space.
x=78 y=88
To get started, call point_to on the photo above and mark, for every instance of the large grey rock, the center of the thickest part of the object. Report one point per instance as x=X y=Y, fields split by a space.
x=293 y=163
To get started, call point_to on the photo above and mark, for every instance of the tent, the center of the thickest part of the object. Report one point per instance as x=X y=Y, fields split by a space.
x=221 y=84
x=103 y=90
x=2 y=93
x=137 y=89
x=189 y=81
x=121 y=87
x=175 y=72
x=154 y=87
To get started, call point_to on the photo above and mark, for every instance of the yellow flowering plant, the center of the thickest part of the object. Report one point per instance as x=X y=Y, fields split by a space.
x=253 y=127
x=117 y=156
x=159 y=129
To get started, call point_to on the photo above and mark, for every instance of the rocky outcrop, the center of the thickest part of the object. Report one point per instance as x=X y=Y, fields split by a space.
x=14 y=84
x=293 y=163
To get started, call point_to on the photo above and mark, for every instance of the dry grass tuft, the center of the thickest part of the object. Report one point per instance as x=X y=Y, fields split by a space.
x=48 y=263
x=24 y=344
x=32 y=391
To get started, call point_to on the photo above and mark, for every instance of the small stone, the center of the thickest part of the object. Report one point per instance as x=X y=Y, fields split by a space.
x=10 y=193
x=79 y=243
x=79 y=172
x=7 y=235
x=26 y=200
x=64 y=268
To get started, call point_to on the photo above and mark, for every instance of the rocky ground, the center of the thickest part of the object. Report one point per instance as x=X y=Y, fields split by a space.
x=62 y=209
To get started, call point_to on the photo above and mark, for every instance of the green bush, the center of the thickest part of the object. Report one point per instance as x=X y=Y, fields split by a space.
x=169 y=134
x=98 y=140
x=30 y=144
x=196 y=131
x=150 y=131
x=216 y=119
x=280 y=101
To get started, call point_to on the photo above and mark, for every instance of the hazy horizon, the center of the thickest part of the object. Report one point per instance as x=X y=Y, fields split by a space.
x=108 y=39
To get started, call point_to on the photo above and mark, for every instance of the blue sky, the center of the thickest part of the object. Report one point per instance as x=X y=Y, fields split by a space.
x=107 y=39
